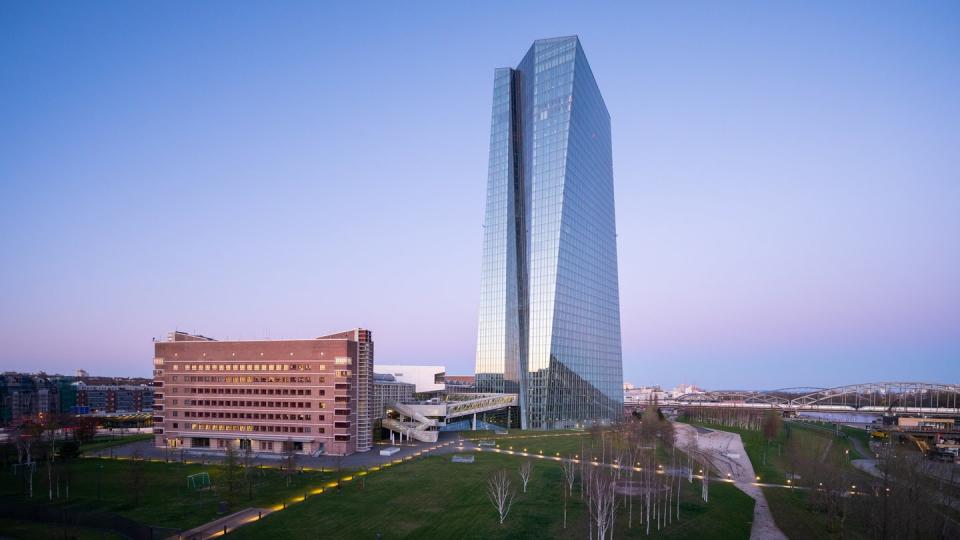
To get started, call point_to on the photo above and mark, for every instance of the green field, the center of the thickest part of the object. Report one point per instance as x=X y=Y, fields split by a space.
x=162 y=498
x=100 y=444
x=791 y=513
x=435 y=498
x=790 y=508
x=29 y=530
x=772 y=460
x=566 y=443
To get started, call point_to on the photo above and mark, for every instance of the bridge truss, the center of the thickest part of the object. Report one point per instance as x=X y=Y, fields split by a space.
x=911 y=397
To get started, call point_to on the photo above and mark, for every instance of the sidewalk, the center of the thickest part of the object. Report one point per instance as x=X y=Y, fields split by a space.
x=225 y=524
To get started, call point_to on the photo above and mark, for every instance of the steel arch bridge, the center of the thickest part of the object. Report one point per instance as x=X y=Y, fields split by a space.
x=879 y=397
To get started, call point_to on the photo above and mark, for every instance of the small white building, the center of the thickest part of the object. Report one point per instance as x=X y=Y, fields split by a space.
x=425 y=378
x=643 y=394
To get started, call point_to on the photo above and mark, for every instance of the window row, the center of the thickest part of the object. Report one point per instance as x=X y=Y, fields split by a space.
x=257 y=391
x=267 y=404
x=252 y=416
x=262 y=429
x=246 y=379
x=249 y=367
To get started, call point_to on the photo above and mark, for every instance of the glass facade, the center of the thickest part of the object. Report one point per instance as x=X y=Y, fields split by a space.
x=549 y=322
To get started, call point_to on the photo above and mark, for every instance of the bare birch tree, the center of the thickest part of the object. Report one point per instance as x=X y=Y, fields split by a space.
x=290 y=460
x=601 y=502
x=705 y=484
x=248 y=469
x=526 y=469
x=500 y=494
x=569 y=477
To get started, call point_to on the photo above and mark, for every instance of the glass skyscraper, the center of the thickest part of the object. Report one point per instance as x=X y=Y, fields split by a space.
x=549 y=325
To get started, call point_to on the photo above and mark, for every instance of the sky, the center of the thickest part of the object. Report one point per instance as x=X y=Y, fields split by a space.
x=787 y=180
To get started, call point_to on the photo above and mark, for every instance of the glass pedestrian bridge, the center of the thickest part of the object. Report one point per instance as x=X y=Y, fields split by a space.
x=423 y=421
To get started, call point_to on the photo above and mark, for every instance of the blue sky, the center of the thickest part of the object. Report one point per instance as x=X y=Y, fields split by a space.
x=787 y=180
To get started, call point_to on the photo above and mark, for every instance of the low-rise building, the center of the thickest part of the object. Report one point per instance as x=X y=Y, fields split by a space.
x=427 y=379
x=114 y=398
x=643 y=394
x=387 y=389
x=460 y=383
x=25 y=395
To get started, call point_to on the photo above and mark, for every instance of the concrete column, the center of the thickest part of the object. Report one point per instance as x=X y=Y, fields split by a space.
x=474 y=421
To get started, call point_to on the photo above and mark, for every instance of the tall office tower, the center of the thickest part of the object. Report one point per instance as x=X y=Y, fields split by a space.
x=549 y=325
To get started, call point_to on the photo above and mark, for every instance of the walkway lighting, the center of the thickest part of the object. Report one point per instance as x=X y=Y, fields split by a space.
x=758 y=479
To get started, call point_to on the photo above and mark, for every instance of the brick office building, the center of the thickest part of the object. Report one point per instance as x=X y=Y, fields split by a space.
x=311 y=394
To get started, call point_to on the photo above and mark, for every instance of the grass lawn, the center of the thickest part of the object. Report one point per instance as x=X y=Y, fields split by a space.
x=844 y=441
x=30 y=530
x=102 y=443
x=774 y=467
x=770 y=468
x=435 y=498
x=550 y=443
x=789 y=507
x=163 y=499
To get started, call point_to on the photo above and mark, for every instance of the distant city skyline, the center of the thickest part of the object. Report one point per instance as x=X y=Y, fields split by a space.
x=787 y=190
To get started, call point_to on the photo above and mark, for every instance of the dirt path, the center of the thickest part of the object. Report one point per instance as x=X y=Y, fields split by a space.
x=727 y=455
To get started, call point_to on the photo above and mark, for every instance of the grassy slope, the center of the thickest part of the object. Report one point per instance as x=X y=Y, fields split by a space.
x=101 y=443
x=789 y=507
x=435 y=498
x=165 y=499
x=770 y=469
x=551 y=442
x=29 y=530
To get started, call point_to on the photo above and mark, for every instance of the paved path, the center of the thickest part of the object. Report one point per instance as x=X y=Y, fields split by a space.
x=726 y=453
x=147 y=450
x=218 y=526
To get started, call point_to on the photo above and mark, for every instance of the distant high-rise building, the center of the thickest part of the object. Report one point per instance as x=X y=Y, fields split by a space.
x=549 y=324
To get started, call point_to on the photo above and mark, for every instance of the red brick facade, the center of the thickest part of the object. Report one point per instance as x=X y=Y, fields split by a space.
x=265 y=394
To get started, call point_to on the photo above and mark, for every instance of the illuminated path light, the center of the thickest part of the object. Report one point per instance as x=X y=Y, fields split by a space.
x=206 y=531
